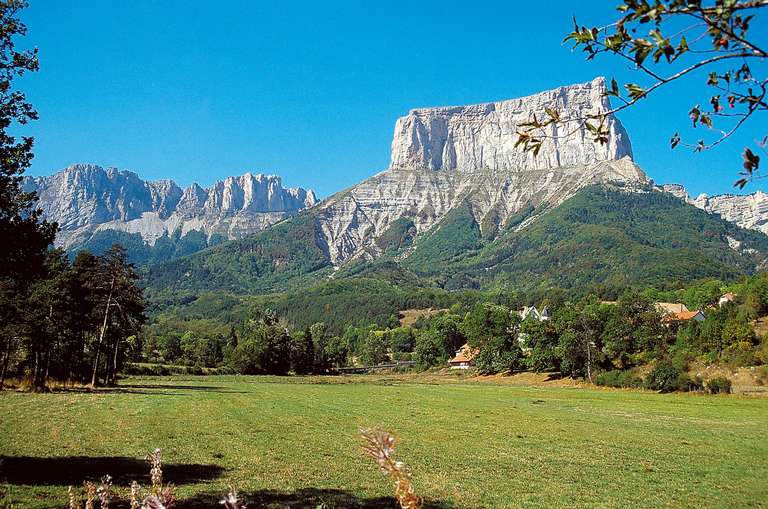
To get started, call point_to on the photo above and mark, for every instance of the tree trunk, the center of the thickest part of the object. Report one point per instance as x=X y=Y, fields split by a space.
x=36 y=369
x=101 y=335
x=6 y=358
x=41 y=377
x=114 y=361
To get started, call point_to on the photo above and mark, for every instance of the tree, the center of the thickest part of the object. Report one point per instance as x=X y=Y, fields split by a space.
x=493 y=330
x=375 y=349
x=540 y=339
x=302 y=353
x=448 y=329
x=122 y=308
x=630 y=328
x=429 y=349
x=264 y=347
x=336 y=351
x=401 y=340
x=25 y=237
x=318 y=337
x=579 y=329
x=48 y=315
x=689 y=37
x=737 y=330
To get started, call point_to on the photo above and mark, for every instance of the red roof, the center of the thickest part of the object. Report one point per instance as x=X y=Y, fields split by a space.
x=683 y=316
x=465 y=354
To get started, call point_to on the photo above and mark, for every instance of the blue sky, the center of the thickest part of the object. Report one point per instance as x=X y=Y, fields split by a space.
x=197 y=91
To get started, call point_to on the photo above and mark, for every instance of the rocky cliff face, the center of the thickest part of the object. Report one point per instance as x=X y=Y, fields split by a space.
x=482 y=136
x=350 y=222
x=443 y=157
x=747 y=211
x=85 y=199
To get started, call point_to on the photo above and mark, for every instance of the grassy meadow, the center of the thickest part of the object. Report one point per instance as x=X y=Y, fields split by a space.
x=292 y=442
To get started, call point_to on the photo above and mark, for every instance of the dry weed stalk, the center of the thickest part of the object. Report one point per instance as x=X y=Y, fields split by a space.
x=155 y=459
x=380 y=445
x=90 y=494
x=135 y=495
x=74 y=503
x=160 y=497
x=231 y=500
x=163 y=497
x=105 y=492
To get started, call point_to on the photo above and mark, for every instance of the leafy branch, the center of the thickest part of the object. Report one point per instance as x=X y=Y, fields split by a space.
x=719 y=30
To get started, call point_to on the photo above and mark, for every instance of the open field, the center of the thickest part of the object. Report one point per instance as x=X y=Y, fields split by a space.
x=291 y=442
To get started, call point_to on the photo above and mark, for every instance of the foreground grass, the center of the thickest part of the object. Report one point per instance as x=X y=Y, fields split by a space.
x=286 y=441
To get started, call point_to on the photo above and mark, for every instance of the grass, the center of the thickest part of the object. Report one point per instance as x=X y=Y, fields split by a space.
x=284 y=441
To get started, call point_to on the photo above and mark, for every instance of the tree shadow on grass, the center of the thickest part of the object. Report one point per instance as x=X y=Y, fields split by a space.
x=152 y=389
x=305 y=498
x=73 y=470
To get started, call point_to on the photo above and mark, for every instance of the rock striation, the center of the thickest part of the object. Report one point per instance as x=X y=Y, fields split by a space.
x=483 y=136
x=85 y=199
x=349 y=223
x=444 y=157
x=747 y=211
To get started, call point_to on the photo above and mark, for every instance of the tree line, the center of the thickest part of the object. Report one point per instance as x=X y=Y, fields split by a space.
x=74 y=321
x=57 y=319
x=606 y=342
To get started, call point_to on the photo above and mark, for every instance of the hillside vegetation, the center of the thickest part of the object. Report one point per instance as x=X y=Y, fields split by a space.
x=599 y=237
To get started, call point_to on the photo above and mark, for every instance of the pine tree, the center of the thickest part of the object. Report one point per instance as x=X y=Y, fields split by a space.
x=25 y=237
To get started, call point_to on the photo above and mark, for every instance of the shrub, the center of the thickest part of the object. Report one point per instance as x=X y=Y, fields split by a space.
x=740 y=354
x=719 y=384
x=619 y=378
x=666 y=377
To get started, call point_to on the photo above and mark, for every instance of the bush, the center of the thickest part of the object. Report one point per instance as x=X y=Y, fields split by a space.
x=718 y=385
x=619 y=378
x=666 y=377
x=740 y=354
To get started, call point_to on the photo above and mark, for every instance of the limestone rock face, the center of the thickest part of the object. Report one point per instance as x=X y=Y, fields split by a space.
x=85 y=199
x=482 y=136
x=747 y=211
x=349 y=222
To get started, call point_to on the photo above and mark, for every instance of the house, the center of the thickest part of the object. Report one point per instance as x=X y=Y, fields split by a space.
x=465 y=357
x=726 y=298
x=666 y=308
x=683 y=317
x=532 y=312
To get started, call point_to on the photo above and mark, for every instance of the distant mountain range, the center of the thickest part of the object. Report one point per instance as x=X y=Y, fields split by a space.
x=458 y=207
x=96 y=206
x=747 y=211
x=461 y=207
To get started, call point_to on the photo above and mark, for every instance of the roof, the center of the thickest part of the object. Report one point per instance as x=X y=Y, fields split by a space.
x=670 y=307
x=464 y=354
x=728 y=296
x=683 y=316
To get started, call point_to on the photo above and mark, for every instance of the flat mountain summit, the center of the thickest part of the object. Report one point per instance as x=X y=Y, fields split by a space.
x=483 y=136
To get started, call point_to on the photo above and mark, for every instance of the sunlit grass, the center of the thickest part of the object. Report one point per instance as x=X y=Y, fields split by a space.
x=468 y=444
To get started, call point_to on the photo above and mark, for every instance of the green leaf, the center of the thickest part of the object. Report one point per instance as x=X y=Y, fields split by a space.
x=635 y=91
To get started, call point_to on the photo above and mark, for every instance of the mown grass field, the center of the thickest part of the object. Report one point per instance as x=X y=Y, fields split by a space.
x=291 y=442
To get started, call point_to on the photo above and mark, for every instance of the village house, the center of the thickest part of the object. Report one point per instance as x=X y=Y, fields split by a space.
x=666 y=308
x=465 y=357
x=532 y=312
x=683 y=317
x=726 y=298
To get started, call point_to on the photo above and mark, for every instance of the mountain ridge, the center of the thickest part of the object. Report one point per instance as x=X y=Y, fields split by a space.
x=746 y=210
x=88 y=199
